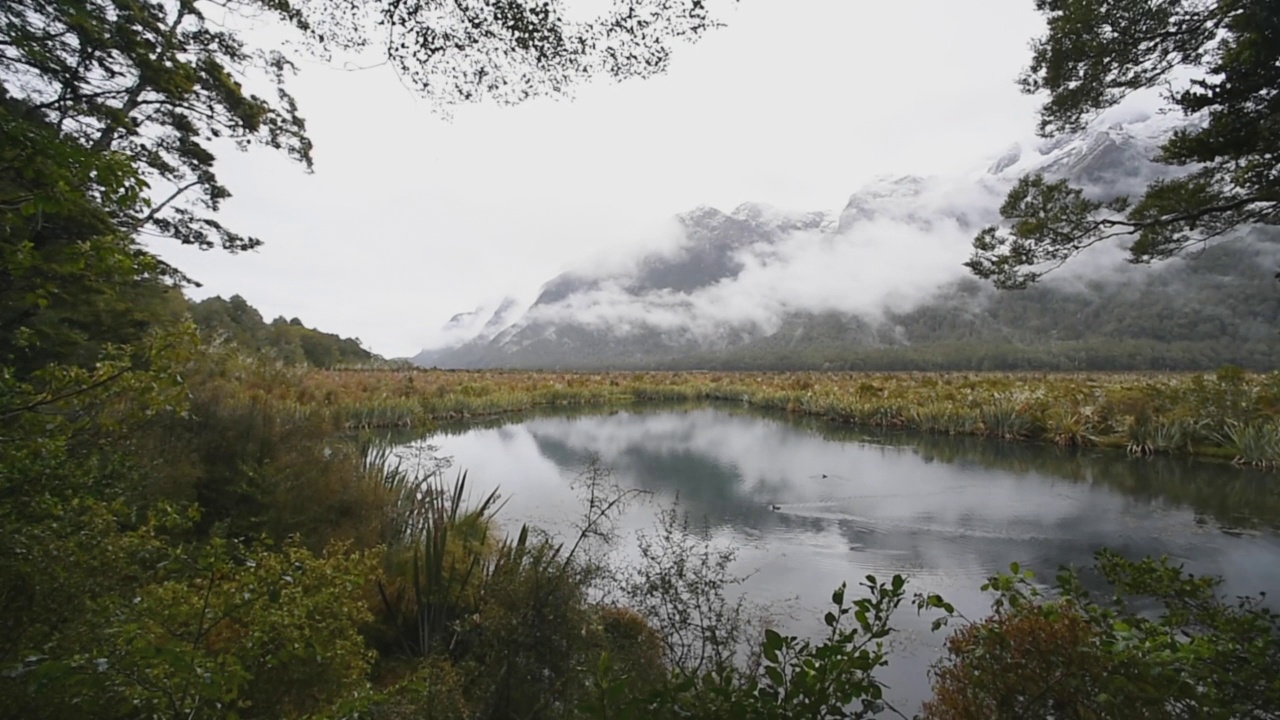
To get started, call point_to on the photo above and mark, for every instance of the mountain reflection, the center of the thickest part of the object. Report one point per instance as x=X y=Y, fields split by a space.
x=809 y=504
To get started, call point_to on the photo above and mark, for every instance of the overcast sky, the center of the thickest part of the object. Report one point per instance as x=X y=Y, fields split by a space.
x=410 y=218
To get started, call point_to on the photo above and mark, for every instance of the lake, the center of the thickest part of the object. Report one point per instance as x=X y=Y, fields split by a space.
x=945 y=511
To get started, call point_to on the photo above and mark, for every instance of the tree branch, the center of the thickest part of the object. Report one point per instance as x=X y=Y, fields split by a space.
x=49 y=400
x=157 y=209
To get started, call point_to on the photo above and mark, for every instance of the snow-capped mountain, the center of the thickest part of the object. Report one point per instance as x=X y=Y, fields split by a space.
x=475 y=326
x=883 y=272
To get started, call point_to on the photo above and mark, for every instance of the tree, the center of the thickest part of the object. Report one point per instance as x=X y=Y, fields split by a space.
x=155 y=84
x=291 y=341
x=70 y=281
x=1095 y=54
x=113 y=113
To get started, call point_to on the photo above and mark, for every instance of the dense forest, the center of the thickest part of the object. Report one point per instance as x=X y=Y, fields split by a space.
x=236 y=321
x=1219 y=306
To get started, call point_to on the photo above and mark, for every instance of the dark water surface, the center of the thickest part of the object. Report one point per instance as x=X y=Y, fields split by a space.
x=947 y=512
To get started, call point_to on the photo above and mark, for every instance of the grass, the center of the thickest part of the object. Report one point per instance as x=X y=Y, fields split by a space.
x=1228 y=414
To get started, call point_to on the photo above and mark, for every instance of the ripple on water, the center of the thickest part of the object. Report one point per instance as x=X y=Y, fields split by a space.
x=945 y=512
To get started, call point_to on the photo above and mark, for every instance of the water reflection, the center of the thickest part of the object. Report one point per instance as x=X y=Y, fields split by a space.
x=810 y=505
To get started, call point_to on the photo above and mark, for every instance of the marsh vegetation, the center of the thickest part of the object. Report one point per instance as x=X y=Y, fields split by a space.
x=213 y=536
x=1229 y=414
x=197 y=523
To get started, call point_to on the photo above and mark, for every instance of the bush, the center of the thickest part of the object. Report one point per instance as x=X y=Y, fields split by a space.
x=795 y=678
x=1165 y=645
x=254 y=633
x=259 y=464
x=434 y=691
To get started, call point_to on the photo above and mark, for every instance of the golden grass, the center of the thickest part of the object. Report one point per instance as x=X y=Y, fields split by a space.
x=1144 y=412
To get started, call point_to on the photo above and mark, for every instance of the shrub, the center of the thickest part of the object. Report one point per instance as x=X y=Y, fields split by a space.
x=795 y=678
x=259 y=463
x=1165 y=645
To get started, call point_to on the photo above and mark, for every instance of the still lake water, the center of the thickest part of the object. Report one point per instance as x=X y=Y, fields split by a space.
x=947 y=512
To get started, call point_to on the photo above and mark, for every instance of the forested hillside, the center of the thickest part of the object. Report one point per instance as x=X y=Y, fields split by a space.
x=881 y=285
x=239 y=322
x=1220 y=307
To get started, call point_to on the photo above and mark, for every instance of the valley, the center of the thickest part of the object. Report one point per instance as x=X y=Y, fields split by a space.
x=881 y=286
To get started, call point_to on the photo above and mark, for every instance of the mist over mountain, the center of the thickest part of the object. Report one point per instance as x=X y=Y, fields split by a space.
x=471 y=327
x=881 y=284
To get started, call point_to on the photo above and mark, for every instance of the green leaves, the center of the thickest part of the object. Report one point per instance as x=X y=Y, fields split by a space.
x=772 y=645
x=796 y=678
x=1038 y=653
x=1049 y=223
x=1096 y=53
x=513 y=50
x=934 y=601
x=230 y=627
x=803 y=679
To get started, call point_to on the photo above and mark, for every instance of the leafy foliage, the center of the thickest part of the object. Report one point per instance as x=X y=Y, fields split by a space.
x=833 y=678
x=243 y=456
x=70 y=282
x=155 y=83
x=115 y=601
x=237 y=321
x=255 y=633
x=511 y=614
x=458 y=51
x=1065 y=654
x=184 y=530
x=1095 y=53
x=681 y=587
x=436 y=564
x=157 y=89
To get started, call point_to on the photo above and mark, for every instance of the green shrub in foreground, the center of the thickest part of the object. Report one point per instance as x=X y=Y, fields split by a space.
x=1164 y=644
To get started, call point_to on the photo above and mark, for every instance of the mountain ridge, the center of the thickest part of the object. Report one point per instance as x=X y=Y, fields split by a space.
x=761 y=286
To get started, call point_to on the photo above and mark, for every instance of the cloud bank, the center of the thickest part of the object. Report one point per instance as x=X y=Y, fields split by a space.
x=896 y=243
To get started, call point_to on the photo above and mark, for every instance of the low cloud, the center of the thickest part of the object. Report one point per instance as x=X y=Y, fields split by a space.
x=895 y=245
x=878 y=264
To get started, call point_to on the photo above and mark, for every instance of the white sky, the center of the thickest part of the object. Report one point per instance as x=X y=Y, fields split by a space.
x=410 y=218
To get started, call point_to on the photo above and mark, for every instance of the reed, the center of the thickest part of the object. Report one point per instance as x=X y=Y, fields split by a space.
x=1145 y=412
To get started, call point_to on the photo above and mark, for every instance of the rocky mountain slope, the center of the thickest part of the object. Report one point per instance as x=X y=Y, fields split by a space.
x=880 y=284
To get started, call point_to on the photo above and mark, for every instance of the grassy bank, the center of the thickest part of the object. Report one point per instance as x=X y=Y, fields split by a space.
x=1230 y=414
x=199 y=539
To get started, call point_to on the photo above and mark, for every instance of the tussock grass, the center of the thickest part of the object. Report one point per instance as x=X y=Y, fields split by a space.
x=1229 y=413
